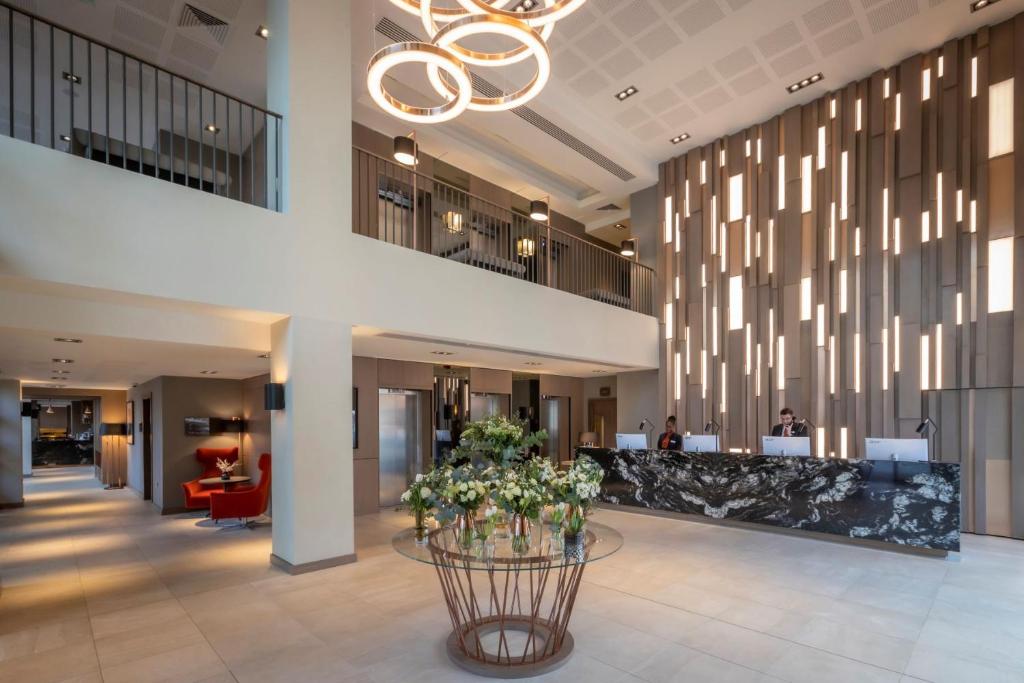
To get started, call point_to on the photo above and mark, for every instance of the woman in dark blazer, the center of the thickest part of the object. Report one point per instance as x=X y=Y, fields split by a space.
x=669 y=440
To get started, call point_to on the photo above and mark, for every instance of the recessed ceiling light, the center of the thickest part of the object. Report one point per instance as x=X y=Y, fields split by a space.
x=67 y=76
x=212 y=128
x=67 y=340
x=531 y=362
x=679 y=138
x=804 y=82
x=56 y=386
x=620 y=226
x=63 y=360
x=264 y=355
x=628 y=92
x=599 y=371
x=982 y=4
x=208 y=372
x=62 y=372
x=263 y=32
x=443 y=353
x=65 y=138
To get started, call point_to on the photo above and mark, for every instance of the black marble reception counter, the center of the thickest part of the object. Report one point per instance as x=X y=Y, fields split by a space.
x=914 y=504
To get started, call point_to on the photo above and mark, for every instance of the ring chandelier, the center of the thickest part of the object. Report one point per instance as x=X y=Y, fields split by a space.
x=446 y=60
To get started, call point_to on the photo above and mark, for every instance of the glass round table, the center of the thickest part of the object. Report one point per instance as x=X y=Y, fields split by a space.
x=509 y=610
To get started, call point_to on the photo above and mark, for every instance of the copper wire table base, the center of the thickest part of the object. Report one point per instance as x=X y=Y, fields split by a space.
x=510 y=623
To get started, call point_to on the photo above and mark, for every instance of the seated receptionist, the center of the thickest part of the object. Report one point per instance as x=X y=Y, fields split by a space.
x=788 y=426
x=669 y=439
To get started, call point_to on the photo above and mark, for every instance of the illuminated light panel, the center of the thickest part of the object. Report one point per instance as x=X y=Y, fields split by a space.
x=781 y=365
x=832 y=108
x=714 y=330
x=714 y=223
x=703 y=276
x=821 y=324
x=974 y=76
x=832 y=233
x=938 y=205
x=885 y=88
x=668 y=219
x=703 y=171
x=832 y=364
x=856 y=362
x=959 y=308
x=1000 y=118
x=747 y=365
x=821 y=147
x=896 y=344
x=757 y=372
x=757 y=244
x=759 y=150
x=748 y=148
x=938 y=355
x=843 y=452
x=1000 y=275
x=820 y=433
x=736 y=302
x=679 y=236
x=724 y=378
x=721 y=156
x=885 y=219
x=925 y=362
x=782 y=182
x=736 y=197
x=898 y=117
x=844 y=186
x=668 y=321
x=746 y=242
x=926 y=85
x=896 y=235
x=959 y=206
x=703 y=374
x=941 y=65
x=885 y=359
x=679 y=376
x=677 y=287
x=771 y=245
x=805 y=182
x=771 y=331
x=857 y=116
x=724 y=261
x=687 y=350
x=973 y=227
x=686 y=198
x=926 y=226
x=843 y=290
x=805 y=298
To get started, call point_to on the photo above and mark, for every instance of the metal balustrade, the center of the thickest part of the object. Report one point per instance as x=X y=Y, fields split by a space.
x=395 y=204
x=62 y=90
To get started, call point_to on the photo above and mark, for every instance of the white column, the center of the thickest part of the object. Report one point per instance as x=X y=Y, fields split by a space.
x=26 y=446
x=311 y=442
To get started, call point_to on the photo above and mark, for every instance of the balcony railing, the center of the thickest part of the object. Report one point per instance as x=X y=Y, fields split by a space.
x=67 y=92
x=394 y=204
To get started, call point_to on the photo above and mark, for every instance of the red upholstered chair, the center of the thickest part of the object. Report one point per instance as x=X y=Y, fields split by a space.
x=243 y=504
x=197 y=496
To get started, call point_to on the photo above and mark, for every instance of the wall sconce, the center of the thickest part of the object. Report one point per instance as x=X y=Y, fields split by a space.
x=526 y=247
x=273 y=396
x=452 y=222
x=405 y=151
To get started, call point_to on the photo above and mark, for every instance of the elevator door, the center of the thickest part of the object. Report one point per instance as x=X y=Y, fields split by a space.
x=403 y=430
x=554 y=417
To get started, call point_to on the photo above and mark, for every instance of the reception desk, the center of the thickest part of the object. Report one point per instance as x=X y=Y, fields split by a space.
x=913 y=504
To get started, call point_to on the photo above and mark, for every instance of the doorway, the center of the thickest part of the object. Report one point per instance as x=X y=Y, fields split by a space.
x=602 y=419
x=147 y=449
x=62 y=431
x=405 y=430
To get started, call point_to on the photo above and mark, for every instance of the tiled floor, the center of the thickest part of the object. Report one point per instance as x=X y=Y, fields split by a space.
x=98 y=587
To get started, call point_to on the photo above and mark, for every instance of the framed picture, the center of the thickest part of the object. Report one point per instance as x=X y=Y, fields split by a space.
x=197 y=426
x=130 y=415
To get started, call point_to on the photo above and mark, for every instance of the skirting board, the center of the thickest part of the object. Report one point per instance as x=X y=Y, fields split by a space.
x=9 y=506
x=307 y=567
x=815 y=535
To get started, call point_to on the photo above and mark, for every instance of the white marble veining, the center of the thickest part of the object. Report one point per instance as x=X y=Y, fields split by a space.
x=98 y=587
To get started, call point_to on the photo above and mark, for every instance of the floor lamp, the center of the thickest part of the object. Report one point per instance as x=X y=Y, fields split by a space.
x=115 y=429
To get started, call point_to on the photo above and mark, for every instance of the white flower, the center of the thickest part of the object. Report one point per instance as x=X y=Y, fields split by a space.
x=425 y=492
x=405 y=496
x=463 y=486
x=471 y=495
x=419 y=478
x=509 y=494
x=491 y=511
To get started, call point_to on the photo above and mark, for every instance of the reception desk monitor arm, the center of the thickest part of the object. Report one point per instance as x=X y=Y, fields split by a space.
x=712 y=427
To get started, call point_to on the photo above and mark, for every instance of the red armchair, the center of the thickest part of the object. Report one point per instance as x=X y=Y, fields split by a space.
x=243 y=503
x=197 y=496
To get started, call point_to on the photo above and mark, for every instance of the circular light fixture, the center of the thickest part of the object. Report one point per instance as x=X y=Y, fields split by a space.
x=63 y=360
x=405 y=150
x=425 y=53
x=68 y=340
x=539 y=210
x=482 y=58
x=499 y=25
x=628 y=248
x=555 y=11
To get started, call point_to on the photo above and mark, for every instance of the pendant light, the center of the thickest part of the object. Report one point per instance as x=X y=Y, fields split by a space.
x=405 y=151
x=49 y=407
x=539 y=210
x=628 y=248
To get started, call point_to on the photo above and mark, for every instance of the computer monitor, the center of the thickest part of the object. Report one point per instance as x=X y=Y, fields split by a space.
x=631 y=441
x=896 y=449
x=700 y=443
x=786 y=445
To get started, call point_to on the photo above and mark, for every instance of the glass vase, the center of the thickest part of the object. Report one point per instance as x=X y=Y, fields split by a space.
x=501 y=530
x=465 y=529
x=557 y=540
x=521 y=531
x=421 y=527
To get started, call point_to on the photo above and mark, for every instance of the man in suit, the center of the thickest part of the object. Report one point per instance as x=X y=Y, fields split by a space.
x=788 y=426
x=669 y=439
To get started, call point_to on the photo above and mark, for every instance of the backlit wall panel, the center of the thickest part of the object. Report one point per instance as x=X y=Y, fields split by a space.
x=872 y=213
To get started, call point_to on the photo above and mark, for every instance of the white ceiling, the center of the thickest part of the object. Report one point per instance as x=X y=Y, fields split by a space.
x=706 y=67
x=115 y=362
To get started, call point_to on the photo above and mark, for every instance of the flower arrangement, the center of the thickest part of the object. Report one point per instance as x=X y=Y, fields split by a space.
x=578 y=488
x=422 y=497
x=498 y=440
x=226 y=467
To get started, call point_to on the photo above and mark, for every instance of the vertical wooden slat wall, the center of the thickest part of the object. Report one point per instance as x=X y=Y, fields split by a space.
x=894 y=326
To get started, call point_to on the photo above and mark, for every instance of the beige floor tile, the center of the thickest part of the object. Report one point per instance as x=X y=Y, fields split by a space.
x=188 y=664
x=51 y=666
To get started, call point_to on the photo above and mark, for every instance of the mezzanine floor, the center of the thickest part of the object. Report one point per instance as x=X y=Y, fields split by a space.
x=96 y=586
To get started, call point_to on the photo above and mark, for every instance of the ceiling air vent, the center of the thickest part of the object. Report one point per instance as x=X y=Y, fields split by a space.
x=610 y=207
x=396 y=33
x=192 y=17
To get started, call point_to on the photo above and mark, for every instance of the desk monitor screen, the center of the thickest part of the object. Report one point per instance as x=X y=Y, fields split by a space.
x=700 y=443
x=786 y=445
x=631 y=441
x=902 y=449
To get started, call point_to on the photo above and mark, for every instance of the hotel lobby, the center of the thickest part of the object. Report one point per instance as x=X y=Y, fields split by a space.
x=556 y=340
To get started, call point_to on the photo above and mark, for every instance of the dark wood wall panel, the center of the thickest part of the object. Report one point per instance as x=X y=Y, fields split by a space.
x=899 y=327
